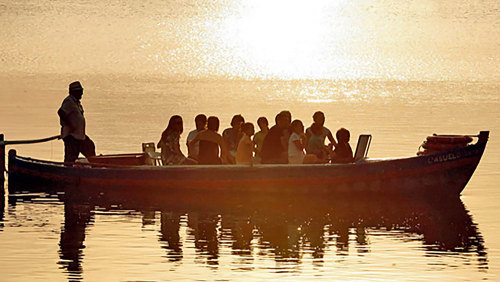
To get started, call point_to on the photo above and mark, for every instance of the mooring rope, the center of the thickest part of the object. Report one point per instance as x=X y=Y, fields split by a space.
x=33 y=141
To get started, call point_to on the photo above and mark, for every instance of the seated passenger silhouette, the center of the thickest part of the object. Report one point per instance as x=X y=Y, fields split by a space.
x=201 y=124
x=211 y=143
x=274 y=147
x=258 y=138
x=343 y=151
x=169 y=143
x=233 y=134
x=246 y=147
x=316 y=145
x=296 y=143
x=319 y=120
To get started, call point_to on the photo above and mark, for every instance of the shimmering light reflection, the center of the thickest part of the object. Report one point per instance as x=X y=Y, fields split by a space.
x=356 y=40
x=278 y=39
x=289 y=39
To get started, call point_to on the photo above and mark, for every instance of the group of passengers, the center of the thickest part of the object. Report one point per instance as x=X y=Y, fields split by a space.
x=284 y=143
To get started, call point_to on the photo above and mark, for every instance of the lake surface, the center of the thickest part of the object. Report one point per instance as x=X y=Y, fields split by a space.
x=48 y=238
x=397 y=71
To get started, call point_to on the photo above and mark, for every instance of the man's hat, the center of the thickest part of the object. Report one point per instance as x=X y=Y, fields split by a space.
x=75 y=86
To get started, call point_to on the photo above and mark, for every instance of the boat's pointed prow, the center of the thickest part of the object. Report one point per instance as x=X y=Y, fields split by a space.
x=483 y=136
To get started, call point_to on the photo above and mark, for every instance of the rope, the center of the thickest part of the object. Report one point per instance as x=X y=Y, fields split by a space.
x=31 y=141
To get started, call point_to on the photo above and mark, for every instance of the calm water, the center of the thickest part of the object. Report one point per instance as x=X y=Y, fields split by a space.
x=44 y=238
x=397 y=71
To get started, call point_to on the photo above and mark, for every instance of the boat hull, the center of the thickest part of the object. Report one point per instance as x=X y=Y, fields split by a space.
x=439 y=174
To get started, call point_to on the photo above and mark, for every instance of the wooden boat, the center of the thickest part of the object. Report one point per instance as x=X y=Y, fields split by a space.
x=436 y=174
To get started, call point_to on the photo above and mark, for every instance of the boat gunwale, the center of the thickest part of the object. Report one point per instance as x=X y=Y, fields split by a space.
x=108 y=167
x=223 y=166
x=366 y=161
x=364 y=176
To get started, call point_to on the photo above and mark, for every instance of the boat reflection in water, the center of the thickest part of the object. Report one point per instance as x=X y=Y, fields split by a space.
x=2 y=207
x=76 y=218
x=285 y=229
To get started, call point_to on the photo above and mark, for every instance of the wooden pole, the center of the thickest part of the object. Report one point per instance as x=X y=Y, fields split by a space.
x=2 y=158
x=2 y=149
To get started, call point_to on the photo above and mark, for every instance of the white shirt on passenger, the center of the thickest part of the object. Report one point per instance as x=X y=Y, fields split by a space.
x=196 y=146
x=295 y=155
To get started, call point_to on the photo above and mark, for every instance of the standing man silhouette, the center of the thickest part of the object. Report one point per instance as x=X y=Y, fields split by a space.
x=73 y=125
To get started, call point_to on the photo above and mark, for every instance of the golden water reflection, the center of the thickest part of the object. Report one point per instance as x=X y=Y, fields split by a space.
x=291 y=232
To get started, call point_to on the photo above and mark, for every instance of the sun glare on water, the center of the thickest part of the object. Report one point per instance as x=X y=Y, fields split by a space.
x=288 y=39
x=263 y=39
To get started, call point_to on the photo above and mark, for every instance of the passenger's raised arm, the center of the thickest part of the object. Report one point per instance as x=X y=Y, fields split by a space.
x=332 y=140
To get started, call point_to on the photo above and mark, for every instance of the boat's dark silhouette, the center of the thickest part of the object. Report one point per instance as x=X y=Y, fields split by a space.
x=443 y=174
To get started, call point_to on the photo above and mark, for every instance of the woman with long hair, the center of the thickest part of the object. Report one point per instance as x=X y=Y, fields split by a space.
x=169 y=142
